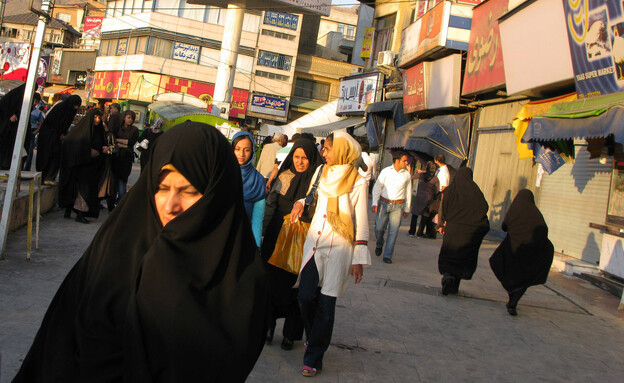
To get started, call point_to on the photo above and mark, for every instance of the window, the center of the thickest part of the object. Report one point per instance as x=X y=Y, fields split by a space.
x=350 y=31
x=615 y=208
x=110 y=9
x=169 y=7
x=213 y=15
x=273 y=76
x=311 y=89
x=274 y=60
x=279 y=35
x=384 y=34
x=122 y=47
x=341 y=28
x=141 y=45
x=251 y=23
x=103 y=48
x=119 y=5
x=159 y=47
x=192 y=11
x=28 y=35
x=147 y=5
x=64 y=17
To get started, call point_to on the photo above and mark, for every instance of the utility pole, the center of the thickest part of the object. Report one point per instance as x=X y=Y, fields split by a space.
x=227 y=61
x=16 y=159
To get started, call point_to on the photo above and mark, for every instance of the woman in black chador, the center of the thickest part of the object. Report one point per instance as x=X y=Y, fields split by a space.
x=179 y=298
x=82 y=165
x=524 y=257
x=53 y=128
x=10 y=109
x=292 y=182
x=465 y=223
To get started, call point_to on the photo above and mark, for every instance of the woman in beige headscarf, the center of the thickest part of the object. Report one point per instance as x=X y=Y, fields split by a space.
x=336 y=244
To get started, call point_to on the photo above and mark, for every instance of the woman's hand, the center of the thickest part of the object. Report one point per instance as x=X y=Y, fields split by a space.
x=296 y=212
x=357 y=271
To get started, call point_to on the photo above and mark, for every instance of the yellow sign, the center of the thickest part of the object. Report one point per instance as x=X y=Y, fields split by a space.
x=367 y=42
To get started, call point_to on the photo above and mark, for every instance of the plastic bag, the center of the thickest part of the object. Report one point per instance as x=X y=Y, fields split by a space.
x=288 y=250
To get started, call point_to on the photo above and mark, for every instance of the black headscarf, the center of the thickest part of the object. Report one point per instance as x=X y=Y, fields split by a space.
x=55 y=124
x=463 y=201
x=11 y=104
x=524 y=257
x=78 y=143
x=299 y=184
x=146 y=303
x=430 y=170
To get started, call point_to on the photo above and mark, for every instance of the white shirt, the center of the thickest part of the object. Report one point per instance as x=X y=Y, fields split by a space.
x=393 y=185
x=370 y=163
x=443 y=176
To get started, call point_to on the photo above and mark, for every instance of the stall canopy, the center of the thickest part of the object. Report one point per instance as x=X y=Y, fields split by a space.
x=446 y=135
x=549 y=134
x=376 y=115
x=320 y=122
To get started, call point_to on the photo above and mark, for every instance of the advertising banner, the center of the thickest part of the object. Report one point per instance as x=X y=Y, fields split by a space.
x=356 y=92
x=271 y=106
x=415 y=88
x=596 y=37
x=431 y=28
x=282 y=20
x=367 y=42
x=14 y=59
x=484 y=64
x=409 y=44
x=186 y=52
x=92 y=27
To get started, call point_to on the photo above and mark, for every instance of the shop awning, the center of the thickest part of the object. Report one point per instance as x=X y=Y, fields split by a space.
x=446 y=135
x=596 y=117
x=54 y=89
x=376 y=115
x=321 y=116
x=327 y=129
x=7 y=85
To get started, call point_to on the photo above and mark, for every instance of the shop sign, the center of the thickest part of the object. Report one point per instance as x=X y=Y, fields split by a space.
x=92 y=27
x=356 y=92
x=367 y=42
x=415 y=88
x=409 y=43
x=271 y=106
x=484 y=64
x=596 y=37
x=282 y=20
x=186 y=52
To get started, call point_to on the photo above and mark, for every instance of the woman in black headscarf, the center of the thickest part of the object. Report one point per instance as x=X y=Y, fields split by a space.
x=524 y=257
x=464 y=214
x=125 y=138
x=293 y=180
x=144 y=145
x=52 y=130
x=10 y=109
x=82 y=167
x=428 y=187
x=180 y=297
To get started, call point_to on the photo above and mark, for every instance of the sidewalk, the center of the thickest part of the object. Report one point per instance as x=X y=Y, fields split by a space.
x=393 y=327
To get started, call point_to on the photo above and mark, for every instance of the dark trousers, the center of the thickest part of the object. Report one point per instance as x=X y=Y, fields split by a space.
x=426 y=227
x=318 y=311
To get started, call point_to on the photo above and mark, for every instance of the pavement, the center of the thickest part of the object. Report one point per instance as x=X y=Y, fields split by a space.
x=395 y=326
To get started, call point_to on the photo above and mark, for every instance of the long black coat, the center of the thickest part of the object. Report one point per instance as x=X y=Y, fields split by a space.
x=54 y=126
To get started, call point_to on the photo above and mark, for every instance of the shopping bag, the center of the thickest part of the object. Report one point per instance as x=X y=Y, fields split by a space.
x=288 y=250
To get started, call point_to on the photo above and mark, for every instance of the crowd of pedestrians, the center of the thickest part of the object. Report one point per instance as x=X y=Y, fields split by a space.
x=194 y=290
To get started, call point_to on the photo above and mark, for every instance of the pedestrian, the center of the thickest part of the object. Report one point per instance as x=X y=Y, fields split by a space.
x=279 y=158
x=36 y=119
x=10 y=109
x=53 y=129
x=336 y=245
x=291 y=184
x=464 y=224
x=524 y=257
x=266 y=162
x=427 y=192
x=82 y=165
x=443 y=173
x=114 y=119
x=171 y=288
x=391 y=201
x=125 y=138
x=108 y=184
x=253 y=183
x=147 y=139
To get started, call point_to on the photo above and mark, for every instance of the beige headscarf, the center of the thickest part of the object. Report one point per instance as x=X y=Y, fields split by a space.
x=338 y=180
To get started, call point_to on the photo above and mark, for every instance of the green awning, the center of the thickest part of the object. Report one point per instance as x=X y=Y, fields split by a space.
x=586 y=107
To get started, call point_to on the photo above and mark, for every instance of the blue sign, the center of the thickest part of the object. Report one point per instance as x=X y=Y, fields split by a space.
x=282 y=20
x=268 y=105
x=596 y=37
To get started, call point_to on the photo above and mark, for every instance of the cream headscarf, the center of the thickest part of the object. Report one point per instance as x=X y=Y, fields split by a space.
x=338 y=180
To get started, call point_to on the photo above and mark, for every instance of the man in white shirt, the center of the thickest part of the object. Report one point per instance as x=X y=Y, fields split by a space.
x=443 y=172
x=391 y=202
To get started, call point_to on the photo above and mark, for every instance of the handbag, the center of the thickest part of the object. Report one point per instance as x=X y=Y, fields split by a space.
x=288 y=251
x=310 y=199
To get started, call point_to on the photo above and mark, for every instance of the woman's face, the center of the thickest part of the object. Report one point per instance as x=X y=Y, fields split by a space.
x=97 y=119
x=242 y=151
x=328 y=154
x=300 y=160
x=174 y=195
x=128 y=120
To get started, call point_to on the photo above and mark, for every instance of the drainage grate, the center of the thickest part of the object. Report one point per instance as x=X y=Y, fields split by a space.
x=412 y=287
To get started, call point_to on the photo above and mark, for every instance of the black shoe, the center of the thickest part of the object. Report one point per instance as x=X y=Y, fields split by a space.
x=269 y=337
x=378 y=251
x=512 y=310
x=447 y=286
x=287 y=344
x=387 y=260
x=80 y=218
x=67 y=213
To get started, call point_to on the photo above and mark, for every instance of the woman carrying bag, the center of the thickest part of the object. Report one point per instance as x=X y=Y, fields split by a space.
x=292 y=182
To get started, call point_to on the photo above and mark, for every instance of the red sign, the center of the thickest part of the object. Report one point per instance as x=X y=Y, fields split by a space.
x=414 y=89
x=484 y=65
x=92 y=27
x=431 y=29
x=205 y=91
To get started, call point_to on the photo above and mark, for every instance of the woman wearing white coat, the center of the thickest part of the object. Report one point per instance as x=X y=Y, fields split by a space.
x=336 y=244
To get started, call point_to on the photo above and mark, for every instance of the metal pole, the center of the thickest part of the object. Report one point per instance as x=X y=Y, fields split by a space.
x=16 y=159
x=227 y=60
x=123 y=69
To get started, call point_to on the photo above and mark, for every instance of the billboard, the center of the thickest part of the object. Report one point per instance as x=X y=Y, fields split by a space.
x=367 y=42
x=356 y=92
x=415 y=88
x=282 y=20
x=484 y=64
x=92 y=27
x=262 y=106
x=596 y=37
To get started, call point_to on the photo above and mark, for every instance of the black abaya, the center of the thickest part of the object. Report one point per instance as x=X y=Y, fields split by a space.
x=147 y=303
x=524 y=257
x=11 y=104
x=80 y=171
x=464 y=209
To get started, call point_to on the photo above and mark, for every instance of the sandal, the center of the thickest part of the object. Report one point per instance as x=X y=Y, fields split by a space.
x=308 y=371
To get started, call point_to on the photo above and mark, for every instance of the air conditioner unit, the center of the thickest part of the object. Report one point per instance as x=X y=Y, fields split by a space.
x=386 y=59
